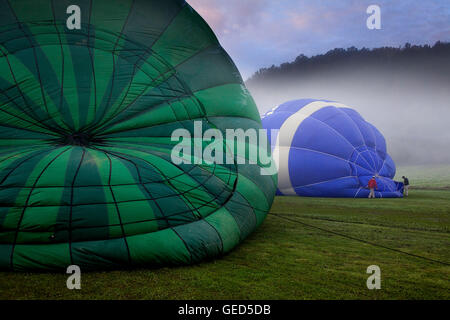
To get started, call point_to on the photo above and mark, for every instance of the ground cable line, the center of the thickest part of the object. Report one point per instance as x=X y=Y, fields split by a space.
x=357 y=239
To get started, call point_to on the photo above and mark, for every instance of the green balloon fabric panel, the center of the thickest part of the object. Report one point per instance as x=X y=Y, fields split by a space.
x=86 y=118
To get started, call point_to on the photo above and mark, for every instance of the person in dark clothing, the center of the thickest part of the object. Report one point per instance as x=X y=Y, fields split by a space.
x=406 y=186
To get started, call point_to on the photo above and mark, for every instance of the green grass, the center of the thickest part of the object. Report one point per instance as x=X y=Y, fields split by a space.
x=437 y=176
x=289 y=260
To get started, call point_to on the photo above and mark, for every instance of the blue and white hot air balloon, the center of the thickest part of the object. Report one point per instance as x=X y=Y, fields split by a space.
x=326 y=149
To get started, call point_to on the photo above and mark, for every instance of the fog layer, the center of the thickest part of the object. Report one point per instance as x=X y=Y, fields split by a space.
x=409 y=104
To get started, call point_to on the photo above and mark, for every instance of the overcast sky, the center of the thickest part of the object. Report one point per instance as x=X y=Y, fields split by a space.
x=259 y=33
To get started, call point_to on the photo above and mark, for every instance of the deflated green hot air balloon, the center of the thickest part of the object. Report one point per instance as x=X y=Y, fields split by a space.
x=91 y=92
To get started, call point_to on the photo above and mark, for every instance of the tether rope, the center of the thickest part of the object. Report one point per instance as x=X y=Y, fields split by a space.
x=281 y=216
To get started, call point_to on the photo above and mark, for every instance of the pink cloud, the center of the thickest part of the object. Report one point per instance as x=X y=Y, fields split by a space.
x=259 y=33
x=211 y=13
x=299 y=20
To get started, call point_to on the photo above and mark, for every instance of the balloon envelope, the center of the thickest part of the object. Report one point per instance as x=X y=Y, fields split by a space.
x=326 y=149
x=89 y=102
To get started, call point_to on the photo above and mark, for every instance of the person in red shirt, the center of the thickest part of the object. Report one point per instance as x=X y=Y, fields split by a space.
x=372 y=186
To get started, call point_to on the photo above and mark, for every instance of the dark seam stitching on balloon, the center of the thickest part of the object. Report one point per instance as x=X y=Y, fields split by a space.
x=16 y=83
x=108 y=124
x=166 y=102
x=144 y=91
x=117 y=209
x=145 y=188
x=13 y=26
x=35 y=60
x=26 y=206
x=118 y=111
x=158 y=57
x=93 y=73
x=198 y=186
x=163 y=31
x=96 y=126
x=191 y=259
x=234 y=201
x=157 y=154
x=126 y=94
x=137 y=221
x=12 y=156
x=153 y=81
x=94 y=186
x=135 y=200
x=38 y=122
x=206 y=204
x=150 y=50
x=155 y=167
x=180 y=236
x=194 y=188
x=246 y=204
x=165 y=218
x=85 y=46
x=115 y=185
x=179 y=168
x=203 y=186
x=228 y=200
x=13 y=169
x=25 y=128
x=114 y=57
x=61 y=98
x=4 y=92
x=161 y=60
x=187 y=88
x=235 y=156
x=34 y=52
x=218 y=234
x=91 y=55
x=71 y=205
x=80 y=33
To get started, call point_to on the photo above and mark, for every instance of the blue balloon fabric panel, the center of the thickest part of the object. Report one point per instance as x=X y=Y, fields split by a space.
x=326 y=149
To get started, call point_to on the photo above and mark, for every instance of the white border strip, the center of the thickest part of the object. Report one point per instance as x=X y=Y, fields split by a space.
x=285 y=138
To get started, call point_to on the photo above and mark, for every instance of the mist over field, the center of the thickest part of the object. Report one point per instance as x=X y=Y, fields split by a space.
x=405 y=95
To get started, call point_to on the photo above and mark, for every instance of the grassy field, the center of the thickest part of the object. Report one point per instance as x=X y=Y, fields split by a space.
x=437 y=176
x=286 y=259
x=306 y=249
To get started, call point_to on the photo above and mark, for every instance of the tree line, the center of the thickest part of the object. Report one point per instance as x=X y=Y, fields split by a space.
x=424 y=57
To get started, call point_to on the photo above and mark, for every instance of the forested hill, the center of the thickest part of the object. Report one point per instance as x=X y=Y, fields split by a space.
x=405 y=92
x=422 y=58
